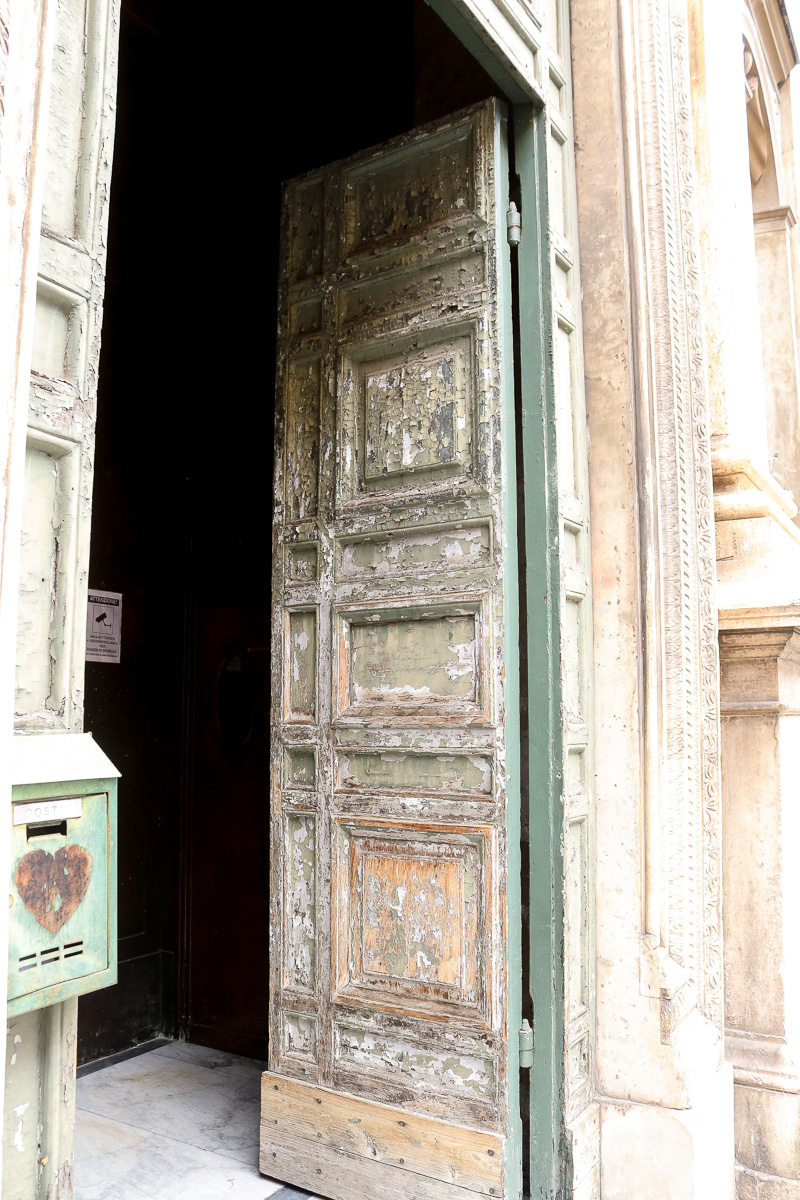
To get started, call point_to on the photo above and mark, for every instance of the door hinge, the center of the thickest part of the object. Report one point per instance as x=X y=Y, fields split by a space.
x=526 y=1045
x=513 y=225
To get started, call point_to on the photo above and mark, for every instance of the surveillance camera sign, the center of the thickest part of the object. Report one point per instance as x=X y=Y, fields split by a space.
x=104 y=627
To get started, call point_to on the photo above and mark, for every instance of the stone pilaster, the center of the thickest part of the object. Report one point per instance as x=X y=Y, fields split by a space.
x=760 y=693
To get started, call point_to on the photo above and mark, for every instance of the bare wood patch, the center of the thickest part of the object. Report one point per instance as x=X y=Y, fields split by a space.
x=388 y=713
x=462 y=1158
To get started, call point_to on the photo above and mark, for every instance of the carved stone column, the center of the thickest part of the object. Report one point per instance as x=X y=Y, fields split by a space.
x=760 y=682
x=776 y=291
x=748 y=285
x=666 y=1094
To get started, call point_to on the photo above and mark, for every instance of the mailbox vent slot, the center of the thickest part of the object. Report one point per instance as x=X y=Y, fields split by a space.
x=46 y=829
x=45 y=957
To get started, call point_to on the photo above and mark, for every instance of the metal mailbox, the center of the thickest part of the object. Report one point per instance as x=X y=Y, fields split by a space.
x=63 y=878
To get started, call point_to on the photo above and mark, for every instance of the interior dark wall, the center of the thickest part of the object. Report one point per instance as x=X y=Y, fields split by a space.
x=134 y=708
x=211 y=117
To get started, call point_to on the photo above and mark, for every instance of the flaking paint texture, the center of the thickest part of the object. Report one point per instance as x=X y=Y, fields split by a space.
x=388 y=976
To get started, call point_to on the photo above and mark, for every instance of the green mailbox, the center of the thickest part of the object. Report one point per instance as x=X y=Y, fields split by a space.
x=63 y=883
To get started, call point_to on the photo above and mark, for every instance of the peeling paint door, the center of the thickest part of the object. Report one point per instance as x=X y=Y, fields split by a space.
x=77 y=74
x=59 y=461
x=395 y=769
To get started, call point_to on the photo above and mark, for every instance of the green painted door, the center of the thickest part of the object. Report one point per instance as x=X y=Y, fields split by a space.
x=395 y=768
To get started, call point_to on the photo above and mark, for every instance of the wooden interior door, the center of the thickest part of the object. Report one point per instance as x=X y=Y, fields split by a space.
x=394 y=738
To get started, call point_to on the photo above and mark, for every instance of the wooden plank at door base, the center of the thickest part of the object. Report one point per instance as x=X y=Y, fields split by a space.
x=338 y=1175
x=362 y=1143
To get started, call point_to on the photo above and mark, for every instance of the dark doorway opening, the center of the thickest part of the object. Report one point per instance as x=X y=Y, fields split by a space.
x=211 y=117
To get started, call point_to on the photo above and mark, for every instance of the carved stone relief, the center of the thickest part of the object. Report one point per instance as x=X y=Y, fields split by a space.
x=677 y=540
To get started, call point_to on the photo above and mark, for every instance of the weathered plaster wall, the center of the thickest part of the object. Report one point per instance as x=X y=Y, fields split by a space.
x=76 y=76
x=24 y=59
x=39 y=1107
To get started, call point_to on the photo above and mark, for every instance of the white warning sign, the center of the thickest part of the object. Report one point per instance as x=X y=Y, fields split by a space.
x=104 y=627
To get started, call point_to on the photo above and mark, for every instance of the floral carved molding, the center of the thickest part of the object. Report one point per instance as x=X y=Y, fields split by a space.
x=677 y=555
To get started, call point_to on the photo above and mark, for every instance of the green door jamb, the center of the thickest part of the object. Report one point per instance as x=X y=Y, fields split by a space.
x=542 y=586
x=511 y=619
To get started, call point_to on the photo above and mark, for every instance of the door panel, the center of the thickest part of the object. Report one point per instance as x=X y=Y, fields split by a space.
x=389 y=1029
x=57 y=501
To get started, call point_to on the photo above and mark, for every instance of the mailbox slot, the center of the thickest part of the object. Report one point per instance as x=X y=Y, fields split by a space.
x=46 y=829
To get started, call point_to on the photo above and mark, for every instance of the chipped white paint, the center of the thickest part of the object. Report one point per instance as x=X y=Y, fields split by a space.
x=390 y=928
x=40 y=1104
x=75 y=67
x=66 y=350
x=25 y=40
x=301 y=891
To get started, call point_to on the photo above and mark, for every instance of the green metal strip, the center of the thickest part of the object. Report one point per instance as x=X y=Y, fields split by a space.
x=544 y=675
x=513 y=781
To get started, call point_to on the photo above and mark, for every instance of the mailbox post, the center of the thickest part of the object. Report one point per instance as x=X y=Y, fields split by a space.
x=62 y=943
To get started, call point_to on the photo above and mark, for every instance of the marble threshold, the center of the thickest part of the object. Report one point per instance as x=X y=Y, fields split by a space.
x=178 y=1122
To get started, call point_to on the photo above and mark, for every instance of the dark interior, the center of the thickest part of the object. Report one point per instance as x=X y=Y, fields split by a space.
x=210 y=118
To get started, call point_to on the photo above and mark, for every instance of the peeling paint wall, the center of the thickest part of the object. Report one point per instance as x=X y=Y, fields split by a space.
x=56 y=517
x=39 y=1107
x=25 y=30
x=66 y=352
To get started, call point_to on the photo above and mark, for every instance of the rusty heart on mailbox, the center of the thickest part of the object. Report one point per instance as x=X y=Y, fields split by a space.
x=52 y=886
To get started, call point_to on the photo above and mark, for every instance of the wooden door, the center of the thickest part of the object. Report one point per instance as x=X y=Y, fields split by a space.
x=395 y=739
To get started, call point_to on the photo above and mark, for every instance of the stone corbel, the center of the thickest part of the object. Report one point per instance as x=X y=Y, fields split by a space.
x=664 y=979
x=757 y=540
x=743 y=491
x=763 y=1062
x=774 y=220
x=761 y=618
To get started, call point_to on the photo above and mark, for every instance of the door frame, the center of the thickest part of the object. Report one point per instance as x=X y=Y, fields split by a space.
x=508 y=53
x=25 y=57
x=545 y=976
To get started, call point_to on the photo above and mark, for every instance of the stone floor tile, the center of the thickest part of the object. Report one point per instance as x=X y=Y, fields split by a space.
x=213 y=1108
x=179 y=1122
x=115 y=1161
